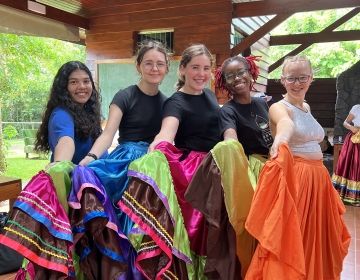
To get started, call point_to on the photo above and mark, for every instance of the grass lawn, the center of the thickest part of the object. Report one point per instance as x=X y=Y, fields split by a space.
x=18 y=165
x=24 y=168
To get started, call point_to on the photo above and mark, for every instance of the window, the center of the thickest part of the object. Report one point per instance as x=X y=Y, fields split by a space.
x=164 y=36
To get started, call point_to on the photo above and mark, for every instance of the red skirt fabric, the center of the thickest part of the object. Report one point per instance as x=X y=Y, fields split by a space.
x=346 y=178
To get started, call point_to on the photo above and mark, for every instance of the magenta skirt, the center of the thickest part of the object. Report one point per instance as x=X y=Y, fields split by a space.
x=346 y=178
x=183 y=165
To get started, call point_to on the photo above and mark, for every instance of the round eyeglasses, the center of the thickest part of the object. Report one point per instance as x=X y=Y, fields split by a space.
x=302 y=79
x=230 y=77
x=150 y=65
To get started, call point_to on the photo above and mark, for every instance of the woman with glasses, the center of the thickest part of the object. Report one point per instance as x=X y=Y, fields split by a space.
x=190 y=121
x=295 y=206
x=244 y=125
x=346 y=177
x=243 y=118
x=136 y=113
x=136 y=110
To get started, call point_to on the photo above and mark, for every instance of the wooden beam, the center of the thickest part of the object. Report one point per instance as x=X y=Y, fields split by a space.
x=273 y=7
x=258 y=34
x=51 y=13
x=328 y=29
x=335 y=36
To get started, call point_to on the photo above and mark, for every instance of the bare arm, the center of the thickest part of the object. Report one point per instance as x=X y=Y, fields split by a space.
x=348 y=126
x=105 y=139
x=64 y=149
x=169 y=127
x=230 y=134
x=282 y=126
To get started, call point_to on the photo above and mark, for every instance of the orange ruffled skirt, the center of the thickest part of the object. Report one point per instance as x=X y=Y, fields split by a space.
x=296 y=215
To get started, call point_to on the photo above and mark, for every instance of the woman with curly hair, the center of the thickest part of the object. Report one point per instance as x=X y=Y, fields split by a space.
x=229 y=173
x=72 y=121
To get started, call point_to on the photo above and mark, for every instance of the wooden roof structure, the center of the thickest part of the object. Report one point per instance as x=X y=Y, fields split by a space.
x=111 y=26
x=111 y=22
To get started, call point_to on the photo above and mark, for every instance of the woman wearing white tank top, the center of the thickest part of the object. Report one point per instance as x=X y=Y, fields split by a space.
x=297 y=158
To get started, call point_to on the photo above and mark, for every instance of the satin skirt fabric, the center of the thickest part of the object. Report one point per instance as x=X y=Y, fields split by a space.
x=346 y=178
x=183 y=165
x=159 y=235
x=39 y=229
x=112 y=173
x=104 y=251
x=297 y=217
x=222 y=190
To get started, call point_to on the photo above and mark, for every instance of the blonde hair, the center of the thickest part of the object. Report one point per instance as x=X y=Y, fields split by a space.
x=296 y=58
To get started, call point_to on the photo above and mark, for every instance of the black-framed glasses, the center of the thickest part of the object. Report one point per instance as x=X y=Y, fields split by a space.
x=230 y=77
x=302 y=79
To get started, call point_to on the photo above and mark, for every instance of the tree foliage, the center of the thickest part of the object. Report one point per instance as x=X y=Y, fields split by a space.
x=328 y=59
x=28 y=66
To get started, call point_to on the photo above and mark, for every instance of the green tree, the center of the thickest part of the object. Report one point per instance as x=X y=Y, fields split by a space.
x=328 y=59
x=2 y=149
x=28 y=66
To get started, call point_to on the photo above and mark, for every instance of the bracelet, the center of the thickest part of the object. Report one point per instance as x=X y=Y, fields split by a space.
x=92 y=155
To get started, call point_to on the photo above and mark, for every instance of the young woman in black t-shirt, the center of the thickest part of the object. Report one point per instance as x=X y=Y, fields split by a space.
x=243 y=118
x=190 y=121
x=127 y=109
x=136 y=112
x=244 y=125
x=190 y=117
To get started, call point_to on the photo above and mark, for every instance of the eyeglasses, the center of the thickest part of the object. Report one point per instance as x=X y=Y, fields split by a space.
x=150 y=65
x=230 y=77
x=302 y=79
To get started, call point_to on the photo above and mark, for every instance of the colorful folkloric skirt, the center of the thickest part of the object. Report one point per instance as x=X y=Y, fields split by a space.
x=112 y=172
x=104 y=251
x=39 y=229
x=346 y=178
x=222 y=190
x=183 y=165
x=297 y=217
x=159 y=235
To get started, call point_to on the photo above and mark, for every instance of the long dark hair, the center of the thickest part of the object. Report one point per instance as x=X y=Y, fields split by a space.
x=87 y=117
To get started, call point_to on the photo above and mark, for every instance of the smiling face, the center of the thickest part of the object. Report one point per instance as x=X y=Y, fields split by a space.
x=296 y=78
x=79 y=86
x=238 y=79
x=197 y=74
x=153 y=67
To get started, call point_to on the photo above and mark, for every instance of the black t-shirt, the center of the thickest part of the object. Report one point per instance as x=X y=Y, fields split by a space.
x=142 y=114
x=251 y=123
x=198 y=120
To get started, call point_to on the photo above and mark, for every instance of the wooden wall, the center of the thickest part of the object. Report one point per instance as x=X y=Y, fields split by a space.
x=249 y=25
x=321 y=98
x=246 y=26
x=113 y=26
